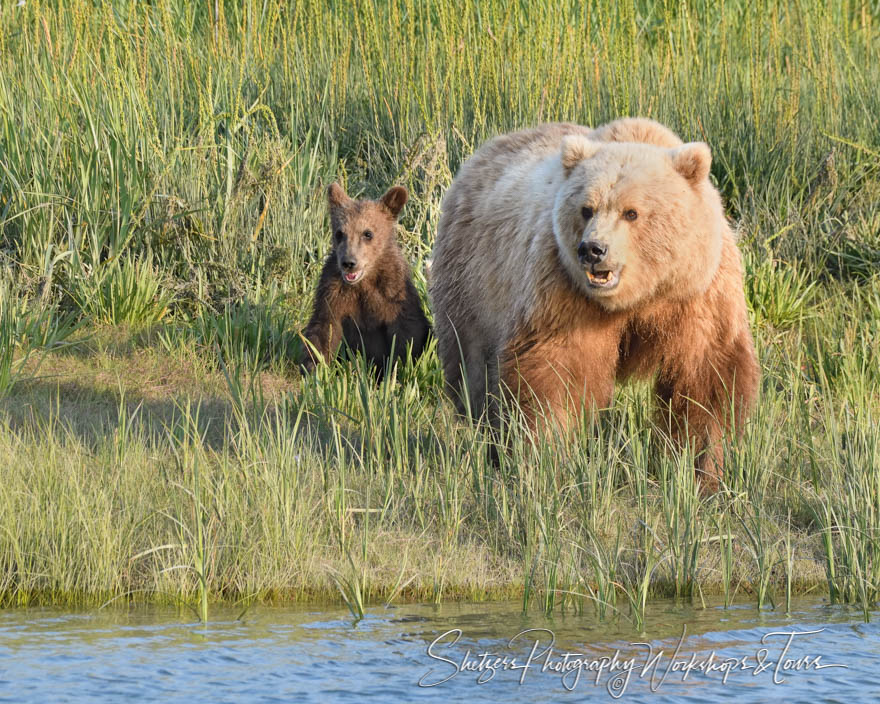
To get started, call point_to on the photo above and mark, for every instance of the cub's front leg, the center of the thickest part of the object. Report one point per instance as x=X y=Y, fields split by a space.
x=324 y=329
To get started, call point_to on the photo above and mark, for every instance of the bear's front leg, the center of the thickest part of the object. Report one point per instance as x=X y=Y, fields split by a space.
x=706 y=397
x=323 y=337
x=323 y=333
x=555 y=380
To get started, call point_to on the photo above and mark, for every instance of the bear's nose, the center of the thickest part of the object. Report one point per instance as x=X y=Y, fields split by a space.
x=348 y=264
x=592 y=252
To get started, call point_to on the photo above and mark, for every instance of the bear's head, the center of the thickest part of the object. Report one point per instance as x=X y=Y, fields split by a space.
x=634 y=221
x=363 y=230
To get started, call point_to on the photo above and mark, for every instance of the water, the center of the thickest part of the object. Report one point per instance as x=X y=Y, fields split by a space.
x=311 y=655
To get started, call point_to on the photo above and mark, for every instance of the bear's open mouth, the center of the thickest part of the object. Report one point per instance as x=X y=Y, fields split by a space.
x=352 y=277
x=602 y=279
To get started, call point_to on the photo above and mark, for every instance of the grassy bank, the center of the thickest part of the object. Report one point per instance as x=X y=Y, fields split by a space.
x=162 y=225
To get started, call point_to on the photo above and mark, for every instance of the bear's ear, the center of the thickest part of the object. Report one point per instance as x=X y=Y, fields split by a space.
x=394 y=199
x=576 y=148
x=336 y=197
x=692 y=160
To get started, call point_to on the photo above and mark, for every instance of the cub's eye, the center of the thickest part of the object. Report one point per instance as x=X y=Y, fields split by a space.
x=340 y=235
x=368 y=235
x=587 y=212
x=630 y=215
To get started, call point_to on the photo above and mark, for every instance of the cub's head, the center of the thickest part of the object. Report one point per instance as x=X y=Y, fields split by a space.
x=636 y=221
x=362 y=230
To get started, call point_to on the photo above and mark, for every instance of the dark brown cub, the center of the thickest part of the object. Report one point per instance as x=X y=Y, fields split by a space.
x=365 y=296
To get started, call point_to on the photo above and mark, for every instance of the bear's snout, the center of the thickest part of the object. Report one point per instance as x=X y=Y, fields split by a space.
x=350 y=266
x=592 y=252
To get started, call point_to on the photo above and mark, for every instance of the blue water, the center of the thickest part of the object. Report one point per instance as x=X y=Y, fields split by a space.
x=317 y=655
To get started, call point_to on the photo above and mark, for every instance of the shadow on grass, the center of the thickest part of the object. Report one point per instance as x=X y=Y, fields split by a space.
x=94 y=416
x=118 y=342
x=82 y=411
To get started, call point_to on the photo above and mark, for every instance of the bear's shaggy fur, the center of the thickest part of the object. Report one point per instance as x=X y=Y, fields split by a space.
x=568 y=258
x=365 y=295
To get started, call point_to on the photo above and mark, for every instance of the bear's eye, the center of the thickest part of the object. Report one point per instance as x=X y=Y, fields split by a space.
x=340 y=235
x=368 y=235
x=587 y=212
x=630 y=215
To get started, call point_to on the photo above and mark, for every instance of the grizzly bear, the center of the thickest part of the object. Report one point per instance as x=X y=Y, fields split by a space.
x=568 y=259
x=365 y=296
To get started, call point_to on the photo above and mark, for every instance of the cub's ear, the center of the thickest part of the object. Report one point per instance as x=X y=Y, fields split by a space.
x=576 y=148
x=336 y=197
x=394 y=199
x=692 y=160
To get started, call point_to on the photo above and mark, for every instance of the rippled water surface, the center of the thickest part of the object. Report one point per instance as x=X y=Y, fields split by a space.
x=318 y=655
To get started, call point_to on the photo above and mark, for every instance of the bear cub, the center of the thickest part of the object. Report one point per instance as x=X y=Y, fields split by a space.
x=365 y=296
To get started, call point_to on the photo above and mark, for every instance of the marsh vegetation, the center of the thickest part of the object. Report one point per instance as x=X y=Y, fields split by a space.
x=162 y=226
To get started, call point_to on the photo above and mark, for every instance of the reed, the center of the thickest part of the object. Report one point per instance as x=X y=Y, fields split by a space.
x=162 y=225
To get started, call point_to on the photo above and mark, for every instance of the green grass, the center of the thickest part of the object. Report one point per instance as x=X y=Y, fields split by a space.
x=28 y=329
x=162 y=225
x=122 y=292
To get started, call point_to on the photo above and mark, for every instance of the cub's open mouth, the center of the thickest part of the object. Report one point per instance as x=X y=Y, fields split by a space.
x=602 y=279
x=352 y=277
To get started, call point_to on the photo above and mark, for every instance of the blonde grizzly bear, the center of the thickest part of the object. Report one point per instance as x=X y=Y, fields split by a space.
x=568 y=258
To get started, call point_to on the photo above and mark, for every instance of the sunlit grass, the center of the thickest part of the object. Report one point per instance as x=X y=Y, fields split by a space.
x=161 y=180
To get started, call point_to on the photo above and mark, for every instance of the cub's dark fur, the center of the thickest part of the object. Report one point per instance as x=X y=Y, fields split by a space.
x=365 y=296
